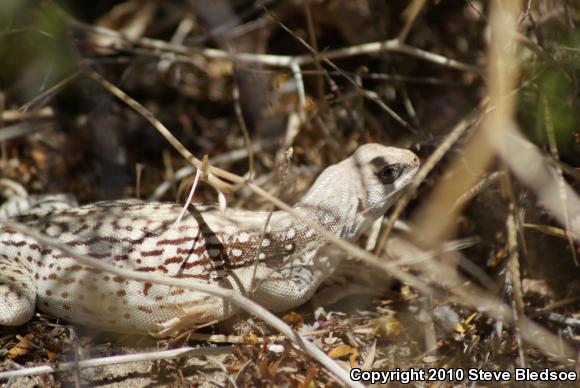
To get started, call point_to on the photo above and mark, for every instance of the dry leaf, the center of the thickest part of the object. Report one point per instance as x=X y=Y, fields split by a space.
x=22 y=347
x=342 y=351
x=309 y=378
x=387 y=327
x=294 y=319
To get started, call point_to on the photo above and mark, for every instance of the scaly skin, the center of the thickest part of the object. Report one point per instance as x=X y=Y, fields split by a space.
x=207 y=246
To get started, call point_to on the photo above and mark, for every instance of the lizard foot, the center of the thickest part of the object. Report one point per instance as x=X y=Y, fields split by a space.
x=195 y=319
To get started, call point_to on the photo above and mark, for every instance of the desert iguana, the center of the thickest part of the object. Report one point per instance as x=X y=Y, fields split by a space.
x=279 y=271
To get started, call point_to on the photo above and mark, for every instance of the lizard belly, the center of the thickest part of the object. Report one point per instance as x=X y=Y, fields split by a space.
x=105 y=301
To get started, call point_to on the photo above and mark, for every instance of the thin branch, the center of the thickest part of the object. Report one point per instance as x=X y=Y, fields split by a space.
x=411 y=13
x=552 y=231
x=114 y=360
x=49 y=93
x=228 y=157
x=425 y=169
x=560 y=175
x=17 y=115
x=22 y=129
x=393 y=45
x=317 y=64
x=297 y=73
x=243 y=128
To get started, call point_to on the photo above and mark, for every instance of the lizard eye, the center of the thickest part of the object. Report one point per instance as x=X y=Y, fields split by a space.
x=389 y=173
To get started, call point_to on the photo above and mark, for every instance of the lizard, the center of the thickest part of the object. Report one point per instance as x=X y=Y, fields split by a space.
x=279 y=267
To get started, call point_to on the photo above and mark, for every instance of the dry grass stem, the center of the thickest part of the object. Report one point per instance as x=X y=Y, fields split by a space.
x=115 y=360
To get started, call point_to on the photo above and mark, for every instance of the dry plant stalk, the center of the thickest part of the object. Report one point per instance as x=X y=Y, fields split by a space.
x=435 y=222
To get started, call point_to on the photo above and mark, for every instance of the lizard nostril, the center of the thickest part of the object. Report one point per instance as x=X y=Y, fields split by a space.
x=415 y=160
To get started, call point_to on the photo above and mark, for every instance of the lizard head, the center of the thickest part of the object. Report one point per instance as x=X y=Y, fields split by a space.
x=381 y=173
x=361 y=188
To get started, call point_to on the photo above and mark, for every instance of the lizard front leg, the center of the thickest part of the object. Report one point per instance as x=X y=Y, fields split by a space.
x=290 y=286
x=199 y=311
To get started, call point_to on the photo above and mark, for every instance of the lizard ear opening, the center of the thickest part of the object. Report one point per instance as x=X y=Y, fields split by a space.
x=389 y=173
